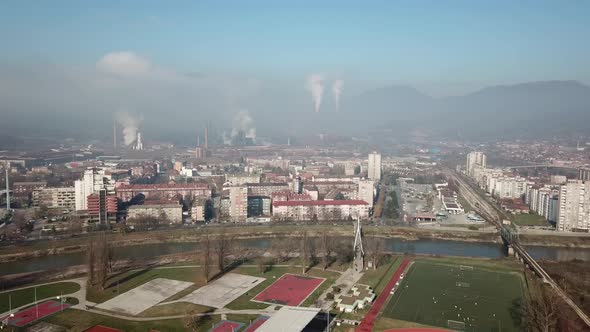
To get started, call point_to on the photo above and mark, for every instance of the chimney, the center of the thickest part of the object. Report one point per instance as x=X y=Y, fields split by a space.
x=115 y=134
x=207 y=136
x=6 y=167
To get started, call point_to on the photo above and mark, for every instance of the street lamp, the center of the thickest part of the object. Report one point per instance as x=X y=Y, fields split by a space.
x=61 y=299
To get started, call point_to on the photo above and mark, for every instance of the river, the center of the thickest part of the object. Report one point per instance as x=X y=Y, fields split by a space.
x=423 y=246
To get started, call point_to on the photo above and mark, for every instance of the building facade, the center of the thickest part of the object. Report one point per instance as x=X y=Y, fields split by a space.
x=374 y=166
x=126 y=192
x=475 y=159
x=320 y=210
x=238 y=203
x=574 y=206
x=103 y=207
x=172 y=212
x=64 y=197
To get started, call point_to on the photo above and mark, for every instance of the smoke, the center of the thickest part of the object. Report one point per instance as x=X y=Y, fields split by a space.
x=315 y=85
x=242 y=122
x=337 y=92
x=130 y=123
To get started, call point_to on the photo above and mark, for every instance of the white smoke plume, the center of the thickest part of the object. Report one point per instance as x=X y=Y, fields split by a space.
x=315 y=85
x=337 y=92
x=243 y=122
x=130 y=123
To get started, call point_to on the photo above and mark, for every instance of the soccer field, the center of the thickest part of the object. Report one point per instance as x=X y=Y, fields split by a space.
x=464 y=298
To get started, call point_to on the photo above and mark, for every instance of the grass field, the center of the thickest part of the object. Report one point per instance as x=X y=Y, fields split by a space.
x=437 y=293
x=529 y=219
x=27 y=295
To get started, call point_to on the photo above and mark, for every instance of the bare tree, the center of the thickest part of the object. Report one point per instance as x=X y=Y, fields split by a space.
x=91 y=262
x=538 y=311
x=304 y=252
x=222 y=247
x=374 y=248
x=327 y=247
x=206 y=257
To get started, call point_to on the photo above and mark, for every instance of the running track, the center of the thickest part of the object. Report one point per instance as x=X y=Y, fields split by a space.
x=369 y=320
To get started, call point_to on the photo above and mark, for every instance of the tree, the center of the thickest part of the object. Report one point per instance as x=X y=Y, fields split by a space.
x=538 y=311
x=374 y=249
x=222 y=247
x=304 y=251
x=100 y=260
x=344 y=252
x=206 y=257
x=327 y=246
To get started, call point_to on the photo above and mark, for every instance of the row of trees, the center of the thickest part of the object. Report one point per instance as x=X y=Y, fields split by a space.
x=214 y=252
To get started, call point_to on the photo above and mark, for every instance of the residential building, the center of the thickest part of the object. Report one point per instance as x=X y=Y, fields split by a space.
x=22 y=189
x=63 y=197
x=238 y=203
x=475 y=159
x=320 y=210
x=266 y=188
x=238 y=180
x=126 y=192
x=366 y=191
x=171 y=211
x=584 y=174
x=574 y=206
x=198 y=209
x=93 y=180
x=374 y=166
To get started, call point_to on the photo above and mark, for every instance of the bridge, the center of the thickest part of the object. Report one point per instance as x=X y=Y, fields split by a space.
x=510 y=238
x=539 y=166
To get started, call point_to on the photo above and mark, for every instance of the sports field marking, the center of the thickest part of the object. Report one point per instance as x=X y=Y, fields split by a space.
x=289 y=289
x=462 y=284
x=456 y=325
x=466 y=267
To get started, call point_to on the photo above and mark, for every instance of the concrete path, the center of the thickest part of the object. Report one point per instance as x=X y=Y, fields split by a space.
x=348 y=279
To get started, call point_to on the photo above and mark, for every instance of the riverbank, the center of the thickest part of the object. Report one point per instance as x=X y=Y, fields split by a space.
x=36 y=249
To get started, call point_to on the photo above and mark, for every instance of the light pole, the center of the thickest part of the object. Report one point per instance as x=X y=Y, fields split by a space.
x=36 y=306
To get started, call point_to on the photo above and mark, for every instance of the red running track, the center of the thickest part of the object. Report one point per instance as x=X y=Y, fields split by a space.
x=256 y=324
x=369 y=320
x=226 y=326
x=100 y=328
x=31 y=314
x=417 y=329
x=289 y=289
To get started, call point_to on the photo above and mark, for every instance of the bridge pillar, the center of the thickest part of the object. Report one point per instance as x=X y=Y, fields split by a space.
x=511 y=251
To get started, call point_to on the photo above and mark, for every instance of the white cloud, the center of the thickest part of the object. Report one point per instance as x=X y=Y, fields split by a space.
x=124 y=64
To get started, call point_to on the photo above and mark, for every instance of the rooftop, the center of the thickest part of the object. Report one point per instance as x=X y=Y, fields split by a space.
x=316 y=203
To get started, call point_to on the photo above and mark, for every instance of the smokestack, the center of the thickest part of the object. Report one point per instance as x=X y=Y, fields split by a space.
x=198 y=140
x=7 y=166
x=115 y=134
x=337 y=92
x=315 y=85
x=207 y=136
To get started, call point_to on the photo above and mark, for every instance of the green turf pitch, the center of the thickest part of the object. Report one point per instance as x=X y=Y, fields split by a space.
x=434 y=294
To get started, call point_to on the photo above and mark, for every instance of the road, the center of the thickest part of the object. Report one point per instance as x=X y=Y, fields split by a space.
x=491 y=214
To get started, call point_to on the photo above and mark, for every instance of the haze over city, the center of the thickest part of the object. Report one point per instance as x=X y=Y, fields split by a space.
x=294 y=166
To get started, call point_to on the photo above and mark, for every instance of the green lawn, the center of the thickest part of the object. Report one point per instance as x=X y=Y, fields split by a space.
x=121 y=283
x=529 y=219
x=243 y=302
x=378 y=278
x=27 y=295
x=433 y=293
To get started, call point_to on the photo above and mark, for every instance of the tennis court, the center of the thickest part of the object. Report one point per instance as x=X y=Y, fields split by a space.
x=289 y=289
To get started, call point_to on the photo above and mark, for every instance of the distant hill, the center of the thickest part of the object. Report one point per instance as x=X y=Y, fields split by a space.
x=535 y=108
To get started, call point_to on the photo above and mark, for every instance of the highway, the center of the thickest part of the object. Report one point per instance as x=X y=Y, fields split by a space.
x=492 y=214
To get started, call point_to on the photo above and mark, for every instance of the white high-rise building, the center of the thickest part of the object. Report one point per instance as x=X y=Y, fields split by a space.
x=238 y=200
x=366 y=191
x=574 y=206
x=374 y=166
x=92 y=181
x=475 y=159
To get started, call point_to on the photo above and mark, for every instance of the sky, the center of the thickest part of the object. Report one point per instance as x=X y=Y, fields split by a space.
x=436 y=45
x=170 y=65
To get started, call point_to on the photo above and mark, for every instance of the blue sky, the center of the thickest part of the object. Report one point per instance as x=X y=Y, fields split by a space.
x=424 y=43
